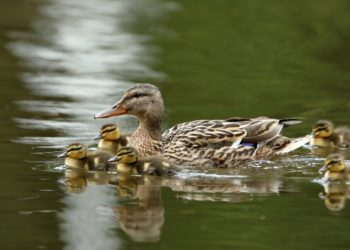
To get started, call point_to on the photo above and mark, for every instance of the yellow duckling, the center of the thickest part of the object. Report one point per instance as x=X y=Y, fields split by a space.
x=111 y=139
x=325 y=135
x=335 y=168
x=128 y=162
x=77 y=156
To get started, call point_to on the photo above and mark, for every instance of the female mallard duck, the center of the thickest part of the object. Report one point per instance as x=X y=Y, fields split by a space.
x=191 y=143
x=335 y=168
x=111 y=139
x=325 y=135
x=77 y=156
x=128 y=162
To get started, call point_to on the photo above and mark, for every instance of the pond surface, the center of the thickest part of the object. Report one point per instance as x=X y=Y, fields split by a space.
x=62 y=61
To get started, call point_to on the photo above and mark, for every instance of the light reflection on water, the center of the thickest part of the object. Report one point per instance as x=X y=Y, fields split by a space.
x=86 y=221
x=78 y=54
x=77 y=58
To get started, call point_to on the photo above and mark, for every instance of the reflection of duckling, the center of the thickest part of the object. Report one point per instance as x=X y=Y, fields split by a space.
x=335 y=195
x=325 y=135
x=111 y=139
x=76 y=179
x=128 y=162
x=335 y=168
x=77 y=156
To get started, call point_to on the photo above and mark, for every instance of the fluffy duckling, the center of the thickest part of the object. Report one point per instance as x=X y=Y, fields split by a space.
x=111 y=139
x=77 y=156
x=325 y=135
x=128 y=162
x=335 y=168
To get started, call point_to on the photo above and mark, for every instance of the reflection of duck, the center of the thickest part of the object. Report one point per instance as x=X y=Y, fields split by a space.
x=335 y=195
x=77 y=156
x=325 y=135
x=191 y=142
x=335 y=168
x=128 y=162
x=141 y=222
x=203 y=188
x=111 y=139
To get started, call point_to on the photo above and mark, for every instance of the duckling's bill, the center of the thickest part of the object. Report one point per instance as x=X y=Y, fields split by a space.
x=113 y=159
x=62 y=155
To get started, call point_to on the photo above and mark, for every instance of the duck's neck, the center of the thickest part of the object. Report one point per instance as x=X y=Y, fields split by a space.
x=147 y=139
x=152 y=126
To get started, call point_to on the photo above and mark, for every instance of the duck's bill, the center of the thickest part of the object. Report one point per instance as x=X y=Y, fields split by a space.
x=323 y=169
x=114 y=159
x=295 y=144
x=98 y=137
x=64 y=154
x=115 y=110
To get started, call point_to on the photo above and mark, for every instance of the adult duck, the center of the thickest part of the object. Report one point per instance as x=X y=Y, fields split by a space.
x=197 y=142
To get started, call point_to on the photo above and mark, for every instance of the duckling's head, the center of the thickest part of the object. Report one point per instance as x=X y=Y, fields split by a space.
x=334 y=164
x=126 y=155
x=76 y=151
x=109 y=132
x=323 y=128
x=142 y=100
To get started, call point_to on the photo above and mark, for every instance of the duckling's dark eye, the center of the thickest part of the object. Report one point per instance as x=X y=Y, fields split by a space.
x=138 y=95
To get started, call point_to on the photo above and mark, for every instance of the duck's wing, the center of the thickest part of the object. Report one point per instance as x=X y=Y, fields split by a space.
x=263 y=129
x=204 y=133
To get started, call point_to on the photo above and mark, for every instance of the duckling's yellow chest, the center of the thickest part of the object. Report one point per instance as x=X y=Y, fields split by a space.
x=337 y=176
x=110 y=146
x=126 y=169
x=321 y=142
x=75 y=163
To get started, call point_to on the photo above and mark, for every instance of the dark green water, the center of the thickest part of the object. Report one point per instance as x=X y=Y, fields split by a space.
x=62 y=61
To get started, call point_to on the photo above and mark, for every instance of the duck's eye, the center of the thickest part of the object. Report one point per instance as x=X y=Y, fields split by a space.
x=278 y=145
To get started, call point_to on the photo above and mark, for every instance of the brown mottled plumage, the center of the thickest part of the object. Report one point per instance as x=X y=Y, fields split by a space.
x=208 y=142
x=325 y=135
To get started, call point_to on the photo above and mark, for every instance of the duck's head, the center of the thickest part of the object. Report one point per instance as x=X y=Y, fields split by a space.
x=126 y=155
x=75 y=150
x=282 y=144
x=109 y=132
x=323 y=128
x=333 y=164
x=142 y=100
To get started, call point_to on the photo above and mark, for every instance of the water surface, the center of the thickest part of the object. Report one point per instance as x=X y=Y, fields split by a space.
x=63 y=61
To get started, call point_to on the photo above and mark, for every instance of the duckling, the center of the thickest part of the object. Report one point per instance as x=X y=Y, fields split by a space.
x=111 y=139
x=325 y=135
x=335 y=168
x=128 y=162
x=77 y=156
